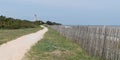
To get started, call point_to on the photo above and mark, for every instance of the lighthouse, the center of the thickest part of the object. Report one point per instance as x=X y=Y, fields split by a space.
x=37 y=21
x=35 y=17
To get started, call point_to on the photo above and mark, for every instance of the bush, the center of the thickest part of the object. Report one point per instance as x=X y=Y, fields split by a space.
x=52 y=23
x=11 y=23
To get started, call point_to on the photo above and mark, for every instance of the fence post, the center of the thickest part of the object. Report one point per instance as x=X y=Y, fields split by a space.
x=104 y=43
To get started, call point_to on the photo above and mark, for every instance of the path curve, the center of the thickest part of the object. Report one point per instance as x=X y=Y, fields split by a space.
x=16 y=49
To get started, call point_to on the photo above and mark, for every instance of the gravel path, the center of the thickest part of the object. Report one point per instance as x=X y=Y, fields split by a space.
x=16 y=49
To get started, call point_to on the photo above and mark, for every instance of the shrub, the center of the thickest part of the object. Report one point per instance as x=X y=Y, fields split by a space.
x=11 y=23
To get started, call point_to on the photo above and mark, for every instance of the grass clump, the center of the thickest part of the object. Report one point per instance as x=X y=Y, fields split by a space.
x=56 y=47
x=7 y=34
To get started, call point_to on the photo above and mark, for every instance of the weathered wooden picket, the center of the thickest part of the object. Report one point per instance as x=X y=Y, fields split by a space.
x=98 y=41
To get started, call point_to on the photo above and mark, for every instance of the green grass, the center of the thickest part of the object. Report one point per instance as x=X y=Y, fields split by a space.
x=56 y=47
x=7 y=35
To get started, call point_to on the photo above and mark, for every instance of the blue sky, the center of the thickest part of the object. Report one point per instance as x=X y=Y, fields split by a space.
x=69 y=12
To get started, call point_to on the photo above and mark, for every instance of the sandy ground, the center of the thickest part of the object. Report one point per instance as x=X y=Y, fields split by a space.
x=16 y=49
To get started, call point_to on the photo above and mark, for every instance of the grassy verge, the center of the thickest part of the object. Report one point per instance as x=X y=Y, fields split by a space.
x=56 y=47
x=7 y=35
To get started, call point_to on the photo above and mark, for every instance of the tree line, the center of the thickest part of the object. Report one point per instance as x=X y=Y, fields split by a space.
x=11 y=23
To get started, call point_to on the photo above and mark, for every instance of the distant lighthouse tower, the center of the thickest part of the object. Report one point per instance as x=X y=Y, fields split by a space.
x=35 y=17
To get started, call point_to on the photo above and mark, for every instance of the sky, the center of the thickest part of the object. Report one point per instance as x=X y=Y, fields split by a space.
x=67 y=12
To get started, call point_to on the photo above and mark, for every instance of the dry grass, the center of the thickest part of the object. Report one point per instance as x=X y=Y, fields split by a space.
x=7 y=35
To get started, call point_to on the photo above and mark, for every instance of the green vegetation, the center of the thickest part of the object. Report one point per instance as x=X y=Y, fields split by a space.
x=7 y=35
x=11 y=23
x=52 y=23
x=56 y=47
x=47 y=23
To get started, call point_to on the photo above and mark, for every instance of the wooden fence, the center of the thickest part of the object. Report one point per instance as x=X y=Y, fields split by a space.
x=98 y=41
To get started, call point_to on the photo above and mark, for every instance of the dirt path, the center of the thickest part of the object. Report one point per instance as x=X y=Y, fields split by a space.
x=15 y=49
